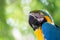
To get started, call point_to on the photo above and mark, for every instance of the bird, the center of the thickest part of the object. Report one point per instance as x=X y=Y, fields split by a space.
x=43 y=25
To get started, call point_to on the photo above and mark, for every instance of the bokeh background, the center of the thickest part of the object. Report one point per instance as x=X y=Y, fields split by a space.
x=14 y=17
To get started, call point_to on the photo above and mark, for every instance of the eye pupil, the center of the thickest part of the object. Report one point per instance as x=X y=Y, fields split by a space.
x=36 y=16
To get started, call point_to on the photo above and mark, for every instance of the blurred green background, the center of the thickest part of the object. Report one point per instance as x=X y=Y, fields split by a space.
x=14 y=17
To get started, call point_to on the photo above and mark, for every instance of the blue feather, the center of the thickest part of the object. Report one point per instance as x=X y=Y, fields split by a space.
x=51 y=32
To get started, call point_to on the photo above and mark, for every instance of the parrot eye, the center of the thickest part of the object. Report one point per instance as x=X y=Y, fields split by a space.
x=36 y=16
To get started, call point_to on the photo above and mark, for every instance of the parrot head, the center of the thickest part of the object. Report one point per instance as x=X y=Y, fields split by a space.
x=36 y=19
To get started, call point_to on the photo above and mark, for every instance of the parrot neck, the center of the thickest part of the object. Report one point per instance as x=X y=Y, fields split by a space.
x=39 y=34
x=38 y=31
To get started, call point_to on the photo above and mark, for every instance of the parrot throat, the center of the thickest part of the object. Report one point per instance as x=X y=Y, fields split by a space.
x=39 y=34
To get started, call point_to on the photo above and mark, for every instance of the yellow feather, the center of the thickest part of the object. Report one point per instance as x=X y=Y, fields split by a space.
x=48 y=19
x=39 y=34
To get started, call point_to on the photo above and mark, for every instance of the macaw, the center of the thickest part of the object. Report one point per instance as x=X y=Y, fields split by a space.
x=43 y=25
